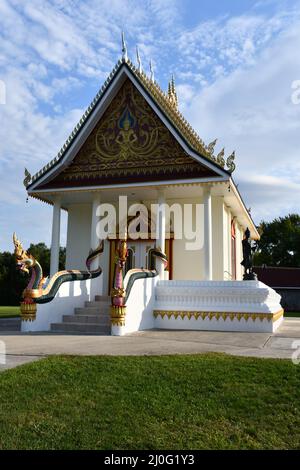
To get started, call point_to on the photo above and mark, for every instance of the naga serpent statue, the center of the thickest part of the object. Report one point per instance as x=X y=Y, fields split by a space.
x=122 y=287
x=42 y=290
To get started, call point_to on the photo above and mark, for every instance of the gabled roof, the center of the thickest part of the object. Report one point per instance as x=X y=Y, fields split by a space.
x=162 y=101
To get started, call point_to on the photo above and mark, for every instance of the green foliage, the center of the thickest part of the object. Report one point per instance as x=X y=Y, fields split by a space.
x=206 y=401
x=13 y=282
x=280 y=242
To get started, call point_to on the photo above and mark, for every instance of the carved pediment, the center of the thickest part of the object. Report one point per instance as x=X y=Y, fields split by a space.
x=129 y=144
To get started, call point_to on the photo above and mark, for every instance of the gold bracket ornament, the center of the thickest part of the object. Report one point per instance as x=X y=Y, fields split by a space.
x=28 y=311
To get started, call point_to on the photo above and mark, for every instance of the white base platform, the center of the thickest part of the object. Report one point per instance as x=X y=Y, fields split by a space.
x=217 y=306
x=178 y=305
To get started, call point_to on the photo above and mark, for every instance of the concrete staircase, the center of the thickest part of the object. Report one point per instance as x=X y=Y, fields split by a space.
x=92 y=319
x=10 y=324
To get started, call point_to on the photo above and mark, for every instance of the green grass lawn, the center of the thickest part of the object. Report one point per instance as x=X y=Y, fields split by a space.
x=210 y=401
x=292 y=314
x=6 y=312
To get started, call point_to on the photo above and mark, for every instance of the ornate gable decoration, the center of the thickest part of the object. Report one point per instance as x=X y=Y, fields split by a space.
x=129 y=144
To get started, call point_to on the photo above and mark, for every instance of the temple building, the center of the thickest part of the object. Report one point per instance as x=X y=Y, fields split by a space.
x=133 y=142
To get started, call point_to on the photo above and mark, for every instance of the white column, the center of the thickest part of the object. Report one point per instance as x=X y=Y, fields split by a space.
x=161 y=230
x=219 y=239
x=55 y=240
x=95 y=220
x=207 y=235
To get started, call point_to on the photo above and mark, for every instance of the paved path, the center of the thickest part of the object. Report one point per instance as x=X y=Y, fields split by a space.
x=26 y=347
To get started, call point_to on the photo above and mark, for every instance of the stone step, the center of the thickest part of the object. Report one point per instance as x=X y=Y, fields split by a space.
x=81 y=328
x=95 y=319
x=10 y=324
x=91 y=311
x=102 y=298
x=101 y=304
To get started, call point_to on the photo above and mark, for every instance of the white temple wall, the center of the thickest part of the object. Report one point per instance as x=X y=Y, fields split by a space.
x=187 y=264
x=78 y=235
x=78 y=246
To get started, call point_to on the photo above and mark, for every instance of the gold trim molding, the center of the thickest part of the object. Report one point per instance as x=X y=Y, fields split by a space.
x=217 y=315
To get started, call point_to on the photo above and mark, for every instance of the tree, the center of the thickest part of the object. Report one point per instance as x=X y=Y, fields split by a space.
x=42 y=253
x=13 y=282
x=280 y=242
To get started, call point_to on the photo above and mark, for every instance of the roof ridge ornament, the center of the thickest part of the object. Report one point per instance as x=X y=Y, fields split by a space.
x=172 y=95
x=27 y=179
x=151 y=71
x=211 y=147
x=124 y=48
x=230 y=162
x=220 y=158
x=138 y=58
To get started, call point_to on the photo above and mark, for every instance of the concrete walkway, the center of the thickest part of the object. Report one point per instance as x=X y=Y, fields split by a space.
x=27 y=347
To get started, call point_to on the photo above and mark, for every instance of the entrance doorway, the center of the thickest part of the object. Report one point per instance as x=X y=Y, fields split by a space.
x=139 y=256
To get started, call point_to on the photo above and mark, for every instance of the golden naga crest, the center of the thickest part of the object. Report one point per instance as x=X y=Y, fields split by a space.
x=24 y=260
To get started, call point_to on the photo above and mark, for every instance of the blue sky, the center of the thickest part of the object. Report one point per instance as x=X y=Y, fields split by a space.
x=234 y=63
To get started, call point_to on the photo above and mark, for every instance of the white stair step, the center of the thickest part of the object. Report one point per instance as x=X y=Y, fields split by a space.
x=91 y=311
x=102 y=298
x=83 y=328
x=10 y=324
x=101 y=304
x=94 y=319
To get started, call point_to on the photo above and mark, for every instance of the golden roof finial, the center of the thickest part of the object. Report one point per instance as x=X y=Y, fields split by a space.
x=172 y=95
x=124 y=48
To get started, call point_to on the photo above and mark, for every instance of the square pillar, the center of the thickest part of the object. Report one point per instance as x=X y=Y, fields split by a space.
x=161 y=231
x=94 y=221
x=219 y=239
x=55 y=239
x=207 y=234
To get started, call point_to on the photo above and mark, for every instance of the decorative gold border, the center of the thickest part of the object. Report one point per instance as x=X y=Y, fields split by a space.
x=210 y=315
x=118 y=313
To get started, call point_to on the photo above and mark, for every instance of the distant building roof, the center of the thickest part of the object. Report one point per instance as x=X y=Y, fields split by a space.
x=279 y=277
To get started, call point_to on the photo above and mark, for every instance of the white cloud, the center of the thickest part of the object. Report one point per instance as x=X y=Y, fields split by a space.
x=226 y=43
x=250 y=110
